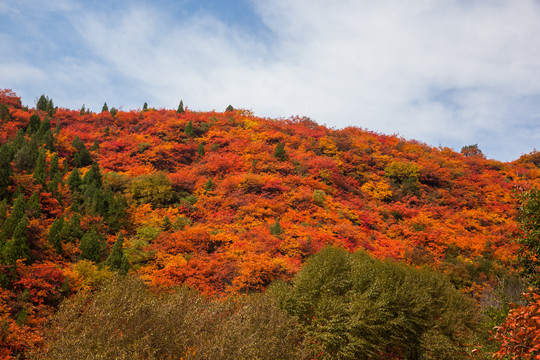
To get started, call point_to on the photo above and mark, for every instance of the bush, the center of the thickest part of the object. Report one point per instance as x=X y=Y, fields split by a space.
x=351 y=306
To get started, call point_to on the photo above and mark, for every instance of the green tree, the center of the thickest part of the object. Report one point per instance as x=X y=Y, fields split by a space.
x=276 y=228
x=34 y=206
x=200 y=149
x=71 y=231
x=17 y=248
x=83 y=110
x=25 y=158
x=3 y=211
x=40 y=169
x=34 y=124
x=351 y=306
x=280 y=153
x=16 y=216
x=5 y=170
x=82 y=157
x=145 y=106
x=55 y=238
x=5 y=115
x=93 y=177
x=189 y=129
x=117 y=260
x=529 y=243
x=42 y=103
x=74 y=180
x=229 y=108
x=90 y=246
x=472 y=150
x=113 y=111
x=104 y=108
x=180 y=108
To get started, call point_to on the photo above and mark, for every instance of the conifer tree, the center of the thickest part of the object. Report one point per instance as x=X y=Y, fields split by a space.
x=117 y=260
x=39 y=170
x=90 y=246
x=209 y=185
x=42 y=103
x=34 y=206
x=53 y=167
x=5 y=170
x=104 y=108
x=17 y=214
x=189 y=129
x=180 y=108
x=17 y=248
x=34 y=124
x=55 y=238
x=5 y=115
x=71 y=231
x=229 y=108
x=166 y=224
x=145 y=106
x=74 y=180
x=82 y=110
x=276 y=228
x=280 y=153
x=82 y=157
x=3 y=211
x=25 y=158
x=200 y=150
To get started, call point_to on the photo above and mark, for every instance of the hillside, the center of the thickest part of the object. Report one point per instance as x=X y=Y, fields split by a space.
x=227 y=202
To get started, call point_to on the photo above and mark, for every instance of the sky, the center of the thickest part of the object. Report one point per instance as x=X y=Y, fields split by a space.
x=449 y=73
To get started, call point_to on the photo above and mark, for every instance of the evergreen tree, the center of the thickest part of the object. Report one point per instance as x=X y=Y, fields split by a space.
x=75 y=180
x=43 y=129
x=17 y=248
x=34 y=124
x=209 y=185
x=18 y=142
x=5 y=170
x=82 y=110
x=229 y=108
x=17 y=214
x=104 y=108
x=50 y=107
x=180 y=108
x=34 y=206
x=55 y=237
x=166 y=225
x=42 y=103
x=53 y=168
x=200 y=150
x=189 y=129
x=280 y=153
x=52 y=186
x=145 y=106
x=95 y=145
x=3 y=211
x=5 y=115
x=93 y=177
x=276 y=228
x=71 y=231
x=117 y=260
x=39 y=170
x=82 y=157
x=529 y=242
x=113 y=111
x=25 y=158
x=90 y=246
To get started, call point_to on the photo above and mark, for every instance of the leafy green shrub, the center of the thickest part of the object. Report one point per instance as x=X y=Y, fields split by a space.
x=351 y=306
x=155 y=189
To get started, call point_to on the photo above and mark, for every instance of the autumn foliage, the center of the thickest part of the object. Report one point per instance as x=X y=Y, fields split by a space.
x=227 y=203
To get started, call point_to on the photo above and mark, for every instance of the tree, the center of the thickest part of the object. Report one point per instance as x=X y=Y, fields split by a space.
x=280 y=153
x=200 y=150
x=472 y=150
x=189 y=129
x=5 y=115
x=117 y=260
x=34 y=206
x=17 y=248
x=54 y=238
x=5 y=170
x=40 y=170
x=180 y=108
x=276 y=228
x=16 y=216
x=529 y=250
x=82 y=111
x=42 y=103
x=25 y=158
x=82 y=157
x=90 y=246
x=104 y=108
x=75 y=180
x=34 y=124
x=229 y=108
x=145 y=106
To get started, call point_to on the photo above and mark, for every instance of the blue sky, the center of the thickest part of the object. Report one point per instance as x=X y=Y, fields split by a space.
x=445 y=72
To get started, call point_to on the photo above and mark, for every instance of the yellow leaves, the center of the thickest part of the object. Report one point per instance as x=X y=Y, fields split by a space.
x=87 y=275
x=378 y=190
x=328 y=147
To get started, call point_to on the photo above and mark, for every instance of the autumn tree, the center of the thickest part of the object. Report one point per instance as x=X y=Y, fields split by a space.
x=280 y=153
x=529 y=242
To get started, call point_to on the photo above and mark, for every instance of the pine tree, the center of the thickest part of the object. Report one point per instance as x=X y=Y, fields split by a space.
x=5 y=115
x=55 y=238
x=3 y=211
x=93 y=177
x=280 y=153
x=181 y=108
x=25 y=158
x=104 y=108
x=276 y=228
x=189 y=129
x=82 y=157
x=5 y=170
x=82 y=110
x=34 y=124
x=166 y=224
x=209 y=185
x=53 y=167
x=229 y=108
x=90 y=246
x=42 y=103
x=200 y=150
x=17 y=214
x=17 y=248
x=34 y=206
x=75 y=180
x=71 y=231
x=117 y=260
x=39 y=170
x=145 y=106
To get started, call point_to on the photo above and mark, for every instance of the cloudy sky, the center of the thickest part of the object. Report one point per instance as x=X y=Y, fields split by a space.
x=445 y=72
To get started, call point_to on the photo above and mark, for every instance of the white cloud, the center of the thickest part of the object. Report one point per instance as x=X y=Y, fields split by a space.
x=445 y=72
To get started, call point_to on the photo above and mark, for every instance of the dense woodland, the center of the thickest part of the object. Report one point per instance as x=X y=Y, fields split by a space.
x=178 y=234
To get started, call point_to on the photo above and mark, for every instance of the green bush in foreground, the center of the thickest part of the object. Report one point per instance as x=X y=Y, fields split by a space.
x=350 y=306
